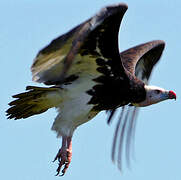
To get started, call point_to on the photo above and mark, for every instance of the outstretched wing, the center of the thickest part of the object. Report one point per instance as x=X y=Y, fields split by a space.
x=75 y=53
x=139 y=61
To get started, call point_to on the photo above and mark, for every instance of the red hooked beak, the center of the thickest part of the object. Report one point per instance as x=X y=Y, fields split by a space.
x=172 y=95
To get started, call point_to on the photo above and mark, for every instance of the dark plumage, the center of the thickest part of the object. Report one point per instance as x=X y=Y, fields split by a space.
x=89 y=75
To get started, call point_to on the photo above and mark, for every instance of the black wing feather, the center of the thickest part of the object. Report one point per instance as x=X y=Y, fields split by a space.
x=95 y=37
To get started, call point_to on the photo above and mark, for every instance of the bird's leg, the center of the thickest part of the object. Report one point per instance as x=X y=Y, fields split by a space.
x=69 y=154
x=64 y=155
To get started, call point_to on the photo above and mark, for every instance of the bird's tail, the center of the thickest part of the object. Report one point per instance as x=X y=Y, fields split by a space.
x=35 y=100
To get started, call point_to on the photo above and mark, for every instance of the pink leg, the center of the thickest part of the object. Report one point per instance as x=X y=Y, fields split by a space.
x=64 y=155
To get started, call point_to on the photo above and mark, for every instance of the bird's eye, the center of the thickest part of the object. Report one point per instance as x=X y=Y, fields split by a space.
x=157 y=91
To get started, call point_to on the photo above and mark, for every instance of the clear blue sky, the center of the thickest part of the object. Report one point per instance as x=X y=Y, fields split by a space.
x=27 y=147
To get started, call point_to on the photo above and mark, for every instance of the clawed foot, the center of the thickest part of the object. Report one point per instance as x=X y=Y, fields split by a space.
x=64 y=156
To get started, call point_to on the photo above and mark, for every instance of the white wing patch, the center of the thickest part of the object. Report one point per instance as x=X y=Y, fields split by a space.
x=140 y=71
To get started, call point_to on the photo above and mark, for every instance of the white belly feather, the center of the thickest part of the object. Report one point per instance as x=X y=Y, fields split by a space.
x=74 y=110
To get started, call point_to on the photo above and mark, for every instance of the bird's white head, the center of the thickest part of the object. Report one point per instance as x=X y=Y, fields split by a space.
x=155 y=95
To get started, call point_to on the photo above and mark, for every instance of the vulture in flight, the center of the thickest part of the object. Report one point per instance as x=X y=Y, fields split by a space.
x=87 y=74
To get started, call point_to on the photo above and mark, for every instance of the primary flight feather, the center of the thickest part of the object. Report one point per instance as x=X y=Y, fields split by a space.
x=88 y=74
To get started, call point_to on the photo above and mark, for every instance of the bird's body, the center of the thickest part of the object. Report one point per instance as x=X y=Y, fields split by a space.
x=74 y=109
x=89 y=75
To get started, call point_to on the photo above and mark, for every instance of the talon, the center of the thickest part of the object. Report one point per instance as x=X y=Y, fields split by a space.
x=64 y=155
x=55 y=159
x=58 y=169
